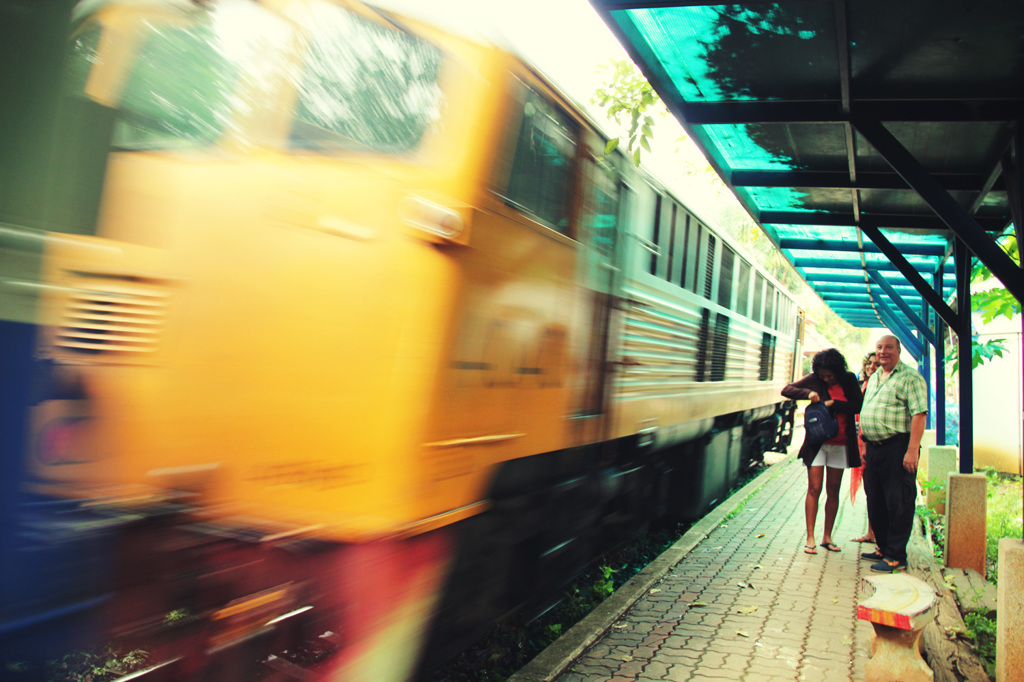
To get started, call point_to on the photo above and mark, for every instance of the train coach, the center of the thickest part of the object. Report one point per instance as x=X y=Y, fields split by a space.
x=356 y=342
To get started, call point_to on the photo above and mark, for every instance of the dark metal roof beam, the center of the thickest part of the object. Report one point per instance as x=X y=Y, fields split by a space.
x=825 y=288
x=922 y=327
x=1012 y=162
x=839 y=278
x=858 y=299
x=841 y=180
x=831 y=111
x=995 y=171
x=837 y=245
x=901 y=330
x=952 y=213
x=912 y=275
x=910 y=222
x=829 y=264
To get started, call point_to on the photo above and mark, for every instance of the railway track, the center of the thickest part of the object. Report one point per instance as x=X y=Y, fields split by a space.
x=517 y=639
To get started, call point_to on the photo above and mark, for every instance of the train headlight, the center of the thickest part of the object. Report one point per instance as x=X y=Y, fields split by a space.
x=431 y=218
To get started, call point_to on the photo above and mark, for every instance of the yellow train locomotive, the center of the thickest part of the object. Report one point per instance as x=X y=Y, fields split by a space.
x=368 y=344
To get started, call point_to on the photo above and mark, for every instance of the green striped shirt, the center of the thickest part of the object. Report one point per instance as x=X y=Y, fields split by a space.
x=890 y=403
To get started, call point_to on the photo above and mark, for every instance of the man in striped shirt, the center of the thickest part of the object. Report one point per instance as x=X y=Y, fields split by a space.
x=892 y=423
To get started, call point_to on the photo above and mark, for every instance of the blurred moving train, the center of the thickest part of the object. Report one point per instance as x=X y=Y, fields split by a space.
x=361 y=343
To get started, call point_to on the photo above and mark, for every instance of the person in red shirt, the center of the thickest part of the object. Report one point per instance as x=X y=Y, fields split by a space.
x=831 y=382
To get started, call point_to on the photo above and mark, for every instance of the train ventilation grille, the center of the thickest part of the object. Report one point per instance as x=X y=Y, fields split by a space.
x=118 y=317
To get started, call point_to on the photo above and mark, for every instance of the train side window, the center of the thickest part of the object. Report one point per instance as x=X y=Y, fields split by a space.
x=673 y=251
x=709 y=266
x=743 y=288
x=684 y=248
x=725 y=273
x=720 y=347
x=692 y=254
x=656 y=235
x=365 y=86
x=766 y=370
x=542 y=164
x=758 y=297
x=602 y=212
x=703 y=343
x=769 y=306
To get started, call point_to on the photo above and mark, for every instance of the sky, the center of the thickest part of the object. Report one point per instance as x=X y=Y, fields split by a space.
x=565 y=39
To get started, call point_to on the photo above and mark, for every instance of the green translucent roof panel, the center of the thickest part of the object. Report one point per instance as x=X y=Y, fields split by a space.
x=701 y=49
x=776 y=95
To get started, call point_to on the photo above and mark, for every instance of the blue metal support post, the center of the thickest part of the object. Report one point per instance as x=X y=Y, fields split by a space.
x=940 y=373
x=925 y=366
x=963 y=338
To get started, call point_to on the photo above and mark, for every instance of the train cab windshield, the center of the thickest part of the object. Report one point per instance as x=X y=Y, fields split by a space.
x=321 y=78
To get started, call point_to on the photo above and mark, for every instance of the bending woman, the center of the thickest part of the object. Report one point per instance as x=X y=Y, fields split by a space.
x=831 y=382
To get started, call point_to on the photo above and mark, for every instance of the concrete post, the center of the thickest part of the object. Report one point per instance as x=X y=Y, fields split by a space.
x=927 y=440
x=965 y=522
x=939 y=461
x=1010 y=600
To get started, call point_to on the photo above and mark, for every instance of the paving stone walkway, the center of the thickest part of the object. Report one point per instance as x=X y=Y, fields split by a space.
x=747 y=603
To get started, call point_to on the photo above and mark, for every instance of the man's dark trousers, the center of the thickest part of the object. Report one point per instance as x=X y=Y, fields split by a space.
x=891 y=493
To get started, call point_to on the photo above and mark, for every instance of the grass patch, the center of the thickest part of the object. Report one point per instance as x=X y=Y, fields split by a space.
x=1002 y=516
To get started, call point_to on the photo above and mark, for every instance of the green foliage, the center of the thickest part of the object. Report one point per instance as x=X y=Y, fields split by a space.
x=1008 y=243
x=936 y=524
x=933 y=520
x=980 y=354
x=176 y=616
x=85 y=666
x=629 y=97
x=982 y=630
x=998 y=301
x=993 y=303
x=604 y=585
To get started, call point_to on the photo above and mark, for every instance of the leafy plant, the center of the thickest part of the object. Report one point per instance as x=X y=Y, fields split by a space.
x=85 y=666
x=982 y=630
x=980 y=354
x=604 y=585
x=176 y=616
x=933 y=520
x=629 y=96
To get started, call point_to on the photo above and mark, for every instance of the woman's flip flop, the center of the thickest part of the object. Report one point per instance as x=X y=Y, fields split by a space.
x=810 y=549
x=863 y=538
x=831 y=547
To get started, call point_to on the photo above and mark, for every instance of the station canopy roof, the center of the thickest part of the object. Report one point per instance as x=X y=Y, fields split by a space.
x=802 y=105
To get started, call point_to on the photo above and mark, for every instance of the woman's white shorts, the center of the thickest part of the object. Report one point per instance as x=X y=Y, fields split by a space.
x=831 y=456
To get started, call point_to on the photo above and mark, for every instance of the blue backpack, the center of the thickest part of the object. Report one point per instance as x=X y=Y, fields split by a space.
x=819 y=424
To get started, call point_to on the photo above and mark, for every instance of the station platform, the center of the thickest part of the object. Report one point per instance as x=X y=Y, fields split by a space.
x=736 y=598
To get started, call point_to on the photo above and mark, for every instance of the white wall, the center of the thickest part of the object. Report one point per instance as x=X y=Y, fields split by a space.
x=997 y=399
